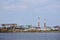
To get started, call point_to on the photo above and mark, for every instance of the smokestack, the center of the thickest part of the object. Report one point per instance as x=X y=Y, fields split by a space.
x=38 y=22
x=45 y=24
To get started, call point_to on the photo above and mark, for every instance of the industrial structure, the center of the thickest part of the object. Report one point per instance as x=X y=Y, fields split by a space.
x=45 y=24
x=39 y=23
x=29 y=28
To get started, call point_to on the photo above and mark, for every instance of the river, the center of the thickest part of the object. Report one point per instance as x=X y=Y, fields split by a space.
x=29 y=36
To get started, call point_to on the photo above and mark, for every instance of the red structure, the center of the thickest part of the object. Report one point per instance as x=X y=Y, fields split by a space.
x=38 y=22
x=45 y=24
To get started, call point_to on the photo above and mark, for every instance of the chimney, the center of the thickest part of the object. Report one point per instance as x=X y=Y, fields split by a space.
x=44 y=24
x=38 y=22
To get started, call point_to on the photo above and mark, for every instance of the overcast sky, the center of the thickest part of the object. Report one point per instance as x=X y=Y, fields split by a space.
x=25 y=12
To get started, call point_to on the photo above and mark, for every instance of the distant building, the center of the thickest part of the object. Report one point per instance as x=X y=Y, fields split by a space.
x=57 y=27
x=20 y=27
x=9 y=26
x=28 y=26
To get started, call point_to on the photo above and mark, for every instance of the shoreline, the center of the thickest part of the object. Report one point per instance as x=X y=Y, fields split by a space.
x=34 y=32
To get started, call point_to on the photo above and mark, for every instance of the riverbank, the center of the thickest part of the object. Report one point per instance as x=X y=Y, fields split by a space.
x=31 y=31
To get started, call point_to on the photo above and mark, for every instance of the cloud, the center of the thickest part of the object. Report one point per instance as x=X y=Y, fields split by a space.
x=54 y=6
x=15 y=5
x=19 y=4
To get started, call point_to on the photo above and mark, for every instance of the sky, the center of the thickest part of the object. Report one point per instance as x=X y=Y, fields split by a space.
x=25 y=12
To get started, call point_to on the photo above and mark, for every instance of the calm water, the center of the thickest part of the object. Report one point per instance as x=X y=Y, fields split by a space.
x=29 y=36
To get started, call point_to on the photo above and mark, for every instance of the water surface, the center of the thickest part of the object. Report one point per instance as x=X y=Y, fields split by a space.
x=29 y=36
